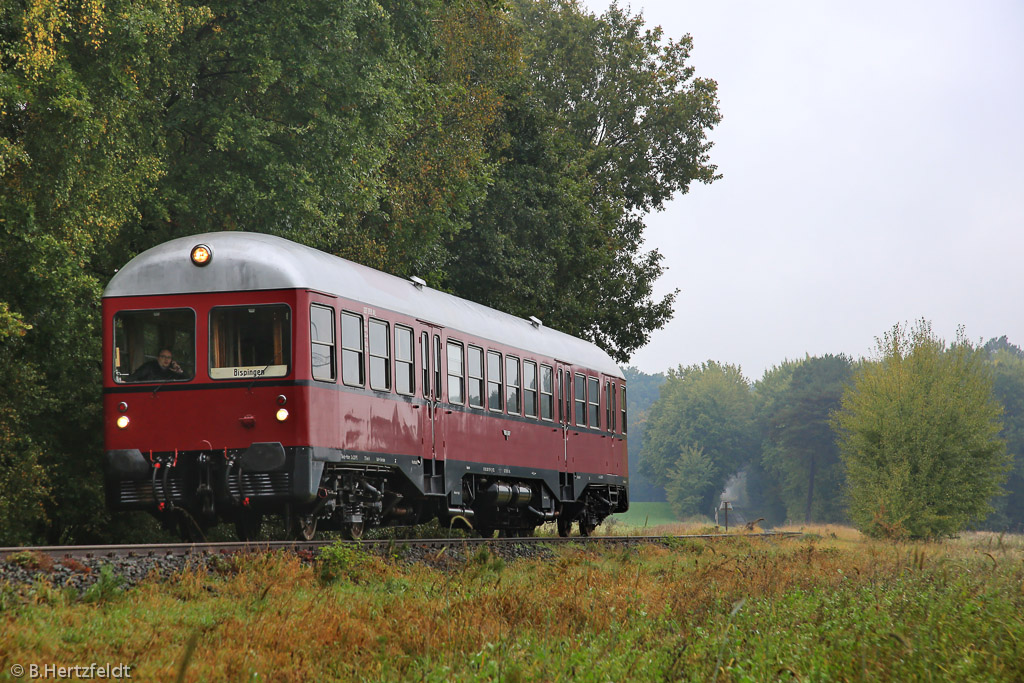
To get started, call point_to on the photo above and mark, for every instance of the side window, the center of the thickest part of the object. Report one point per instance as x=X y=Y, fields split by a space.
x=425 y=363
x=380 y=356
x=352 y=349
x=455 y=373
x=594 y=395
x=623 y=405
x=494 y=380
x=547 y=392
x=512 y=384
x=476 y=377
x=405 y=367
x=321 y=339
x=529 y=388
x=581 y=400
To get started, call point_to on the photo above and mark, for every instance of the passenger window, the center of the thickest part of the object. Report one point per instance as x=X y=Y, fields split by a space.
x=512 y=384
x=476 y=377
x=321 y=337
x=494 y=380
x=455 y=373
x=380 y=356
x=594 y=395
x=547 y=392
x=405 y=371
x=352 y=349
x=250 y=342
x=581 y=400
x=622 y=404
x=529 y=388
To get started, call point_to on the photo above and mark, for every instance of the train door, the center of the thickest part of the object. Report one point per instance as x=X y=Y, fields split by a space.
x=432 y=423
x=565 y=417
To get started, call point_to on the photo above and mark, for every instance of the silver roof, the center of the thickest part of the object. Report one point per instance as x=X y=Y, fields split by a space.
x=255 y=261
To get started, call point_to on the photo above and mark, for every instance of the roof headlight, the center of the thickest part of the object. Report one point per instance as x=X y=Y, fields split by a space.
x=201 y=255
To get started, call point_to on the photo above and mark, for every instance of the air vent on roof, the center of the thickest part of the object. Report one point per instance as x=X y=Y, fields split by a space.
x=535 y=321
x=419 y=282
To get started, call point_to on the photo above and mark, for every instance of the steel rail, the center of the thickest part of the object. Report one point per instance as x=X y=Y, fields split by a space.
x=58 y=552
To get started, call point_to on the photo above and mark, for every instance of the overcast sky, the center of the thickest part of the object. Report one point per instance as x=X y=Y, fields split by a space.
x=873 y=163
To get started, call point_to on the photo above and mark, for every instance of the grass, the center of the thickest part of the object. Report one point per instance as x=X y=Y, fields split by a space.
x=830 y=606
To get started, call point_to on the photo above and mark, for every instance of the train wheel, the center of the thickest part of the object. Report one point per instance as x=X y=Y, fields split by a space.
x=586 y=528
x=248 y=526
x=303 y=528
x=353 y=531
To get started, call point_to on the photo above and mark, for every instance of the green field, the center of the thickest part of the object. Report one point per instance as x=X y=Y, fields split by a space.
x=645 y=516
x=825 y=607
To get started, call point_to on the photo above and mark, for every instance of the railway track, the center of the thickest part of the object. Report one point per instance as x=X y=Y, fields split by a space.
x=153 y=550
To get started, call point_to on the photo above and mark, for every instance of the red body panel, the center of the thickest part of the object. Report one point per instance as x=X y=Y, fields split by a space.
x=212 y=415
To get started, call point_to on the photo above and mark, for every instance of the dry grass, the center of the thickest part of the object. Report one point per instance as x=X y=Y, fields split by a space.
x=642 y=613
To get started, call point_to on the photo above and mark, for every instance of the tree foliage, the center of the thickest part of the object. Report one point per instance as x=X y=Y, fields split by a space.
x=799 y=447
x=608 y=123
x=1007 y=366
x=643 y=392
x=919 y=436
x=699 y=433
x=404 y=135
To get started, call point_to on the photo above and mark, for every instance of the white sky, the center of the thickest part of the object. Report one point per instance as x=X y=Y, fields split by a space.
x=873 y=162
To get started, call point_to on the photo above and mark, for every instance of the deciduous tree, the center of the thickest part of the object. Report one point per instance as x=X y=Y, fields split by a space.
x=919 y=436
x=699 y=433
x=609 y=123
x=799 y=446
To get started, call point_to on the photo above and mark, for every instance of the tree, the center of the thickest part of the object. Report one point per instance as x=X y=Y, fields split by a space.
x=699 y=433
x=919 y=437
x=608 y=124
x=643 y=392
x=1007 y=364
x=799 y=446
x=362 y=128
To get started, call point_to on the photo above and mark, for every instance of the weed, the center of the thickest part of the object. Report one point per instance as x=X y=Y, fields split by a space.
x=108 y=586
x=31 y=560
x=345 y=563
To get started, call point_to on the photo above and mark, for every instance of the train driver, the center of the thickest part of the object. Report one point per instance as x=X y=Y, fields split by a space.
x=163 y=367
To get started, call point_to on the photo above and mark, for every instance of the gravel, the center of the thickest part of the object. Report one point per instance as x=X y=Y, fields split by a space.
x=28 y=572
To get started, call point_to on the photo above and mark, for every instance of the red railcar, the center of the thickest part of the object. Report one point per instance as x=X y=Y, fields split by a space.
x=330 y=393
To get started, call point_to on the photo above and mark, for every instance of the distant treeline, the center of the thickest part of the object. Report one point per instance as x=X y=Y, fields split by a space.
x=506 y=151
x=911 y=440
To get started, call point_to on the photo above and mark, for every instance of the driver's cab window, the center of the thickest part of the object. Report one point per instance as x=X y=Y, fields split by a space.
x=155 y=345
x=250 y=342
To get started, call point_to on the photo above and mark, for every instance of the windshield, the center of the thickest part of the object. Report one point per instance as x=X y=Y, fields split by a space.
x=250 y=342
x=155 y=346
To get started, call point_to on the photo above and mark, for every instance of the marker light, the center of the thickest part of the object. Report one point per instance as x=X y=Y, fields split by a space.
x=282 y=415
x=201 y=254
x=122 y=422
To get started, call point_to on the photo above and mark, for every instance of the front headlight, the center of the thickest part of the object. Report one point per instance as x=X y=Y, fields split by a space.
x=122 y=422
x=282 y=415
